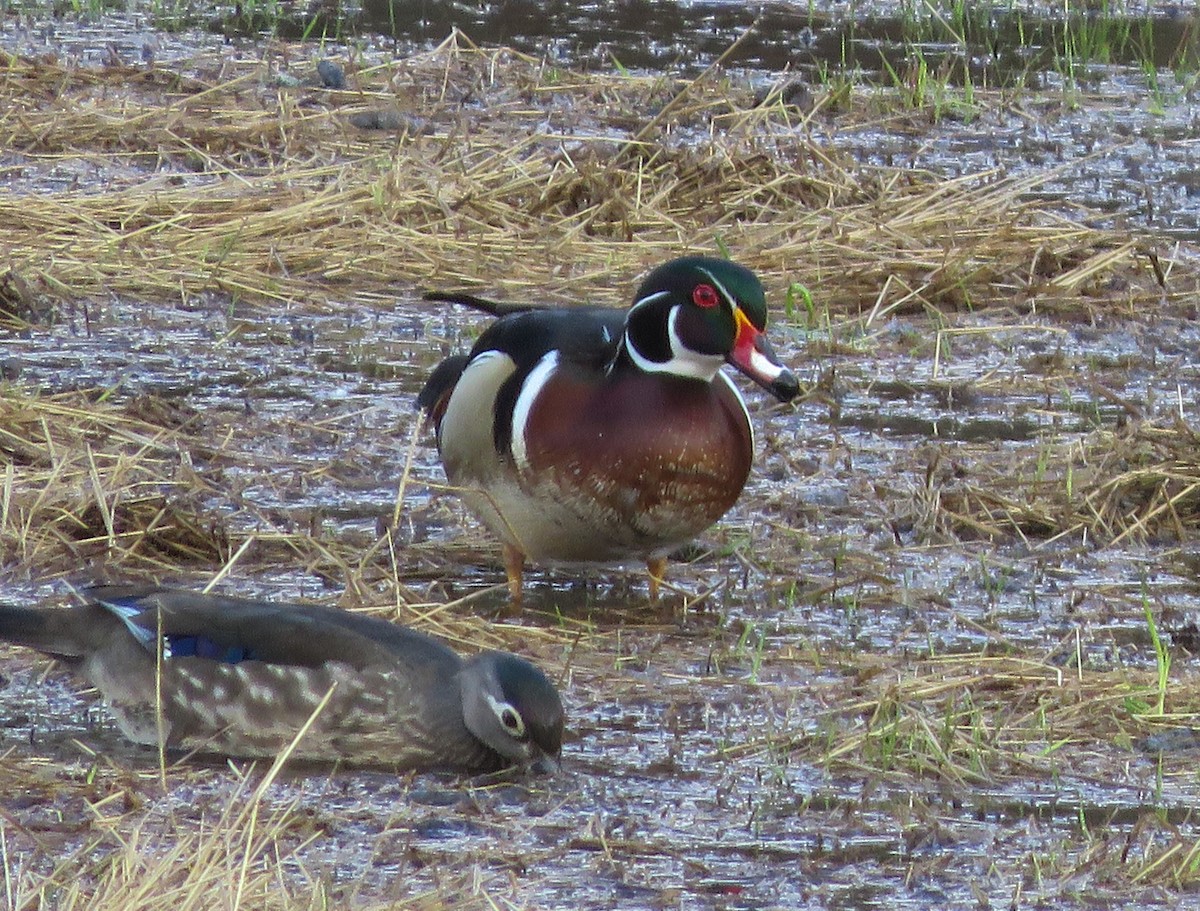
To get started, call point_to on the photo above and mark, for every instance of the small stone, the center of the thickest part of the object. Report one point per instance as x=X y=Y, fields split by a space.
x=332 y=75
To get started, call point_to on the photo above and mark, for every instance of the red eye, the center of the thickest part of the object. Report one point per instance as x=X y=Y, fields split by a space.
x=705 y=296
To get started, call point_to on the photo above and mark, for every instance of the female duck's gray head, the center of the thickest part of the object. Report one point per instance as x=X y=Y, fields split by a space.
x=512 y=706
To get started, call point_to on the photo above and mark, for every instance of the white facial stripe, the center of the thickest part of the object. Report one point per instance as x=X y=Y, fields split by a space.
x=683 y=361
x=686 y=362
x=650 y=299
x=724 y=293
x=530 y=390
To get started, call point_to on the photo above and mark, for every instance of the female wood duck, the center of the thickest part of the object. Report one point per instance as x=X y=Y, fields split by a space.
x=240 y=678
x=592 y=434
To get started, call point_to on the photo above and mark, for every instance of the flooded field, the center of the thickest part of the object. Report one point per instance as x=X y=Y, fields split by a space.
x=940 y=654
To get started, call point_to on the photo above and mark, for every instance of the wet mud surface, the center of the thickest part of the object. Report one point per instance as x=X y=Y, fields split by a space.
x=675 y=789
x=867 y=689
x=1123 y=157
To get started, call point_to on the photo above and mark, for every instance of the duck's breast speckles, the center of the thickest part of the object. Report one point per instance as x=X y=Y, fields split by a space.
x=639 y=444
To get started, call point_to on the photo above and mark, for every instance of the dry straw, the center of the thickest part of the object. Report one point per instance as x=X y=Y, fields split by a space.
x=244 y=850
x=224 y=179
x=499 y=169
x=495 y=169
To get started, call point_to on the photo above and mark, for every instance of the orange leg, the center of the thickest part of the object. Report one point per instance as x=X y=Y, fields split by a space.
x=514 y=563
x=657 y=567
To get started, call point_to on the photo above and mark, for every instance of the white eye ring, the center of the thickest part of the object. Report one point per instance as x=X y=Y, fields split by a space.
x=510 y=719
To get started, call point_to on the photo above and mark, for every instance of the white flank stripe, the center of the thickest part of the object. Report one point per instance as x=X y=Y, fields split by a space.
x=530 y=390
x=474 y=364
x=483 y=356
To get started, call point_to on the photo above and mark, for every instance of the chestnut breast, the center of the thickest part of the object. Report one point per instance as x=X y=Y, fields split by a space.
x=665 y=455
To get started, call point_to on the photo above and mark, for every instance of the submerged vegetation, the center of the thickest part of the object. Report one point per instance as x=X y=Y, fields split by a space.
x=955 y=606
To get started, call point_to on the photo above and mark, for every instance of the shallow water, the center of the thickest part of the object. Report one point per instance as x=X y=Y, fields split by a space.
x=1126 y=154
x=657 y=803
x=672 y=794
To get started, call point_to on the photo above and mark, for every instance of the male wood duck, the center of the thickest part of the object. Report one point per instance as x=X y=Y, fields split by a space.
x=241 y=677
x=599 y=435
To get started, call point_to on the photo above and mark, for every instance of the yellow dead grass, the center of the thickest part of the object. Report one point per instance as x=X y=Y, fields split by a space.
x=503 y=171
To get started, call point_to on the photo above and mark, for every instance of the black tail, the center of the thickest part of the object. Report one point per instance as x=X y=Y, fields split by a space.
x=495 y=308
x=54 y=632
x=436 y=393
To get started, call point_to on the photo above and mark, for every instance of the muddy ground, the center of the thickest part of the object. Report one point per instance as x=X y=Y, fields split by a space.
x=932 y=658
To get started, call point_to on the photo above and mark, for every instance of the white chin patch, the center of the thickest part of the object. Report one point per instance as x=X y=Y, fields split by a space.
x=683 y=361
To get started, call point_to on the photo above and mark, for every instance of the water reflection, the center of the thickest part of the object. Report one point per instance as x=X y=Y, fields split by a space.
x=978 y=42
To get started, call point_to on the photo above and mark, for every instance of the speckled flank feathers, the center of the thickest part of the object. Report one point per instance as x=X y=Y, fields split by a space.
x=241 y=677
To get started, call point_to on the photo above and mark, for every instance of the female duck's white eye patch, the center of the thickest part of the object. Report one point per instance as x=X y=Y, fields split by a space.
x=510 y=718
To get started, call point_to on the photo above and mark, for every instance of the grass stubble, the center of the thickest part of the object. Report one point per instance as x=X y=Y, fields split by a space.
x=504 y=173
